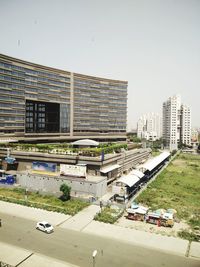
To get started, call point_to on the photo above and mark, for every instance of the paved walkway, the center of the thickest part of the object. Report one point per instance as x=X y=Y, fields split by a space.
x=83 y=221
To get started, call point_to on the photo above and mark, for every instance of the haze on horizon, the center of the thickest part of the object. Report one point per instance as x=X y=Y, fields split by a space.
x=153 y=44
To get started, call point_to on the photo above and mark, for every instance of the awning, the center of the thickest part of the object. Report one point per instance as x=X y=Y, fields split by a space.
x=152 y=163
x=129 y=180
x=137 y=173
x=109 y=168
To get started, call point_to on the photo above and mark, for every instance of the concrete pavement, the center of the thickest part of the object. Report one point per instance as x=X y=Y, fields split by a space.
x=15 y=256
x=79 y=221
x=83 y=221
x=145 y=239
x=195 y=250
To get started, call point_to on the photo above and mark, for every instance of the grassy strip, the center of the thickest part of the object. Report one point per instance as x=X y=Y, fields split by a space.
x=177 y=187
x=35 y=200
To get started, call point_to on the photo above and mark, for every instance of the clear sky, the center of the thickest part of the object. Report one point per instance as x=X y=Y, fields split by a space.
x=153 y=44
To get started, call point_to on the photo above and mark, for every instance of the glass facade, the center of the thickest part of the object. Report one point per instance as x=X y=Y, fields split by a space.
x=35 y=99
x=42 y=117
x=100 y=106
x=64 y=118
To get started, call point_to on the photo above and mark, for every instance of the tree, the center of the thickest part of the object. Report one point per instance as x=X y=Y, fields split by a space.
x=135 y=139
x=65 y=189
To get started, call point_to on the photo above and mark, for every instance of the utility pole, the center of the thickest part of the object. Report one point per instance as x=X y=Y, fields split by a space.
x=94 y=256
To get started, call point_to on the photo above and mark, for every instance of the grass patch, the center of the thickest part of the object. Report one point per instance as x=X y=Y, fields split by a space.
x=177 y=187
x=46 y=202
x=108 y=215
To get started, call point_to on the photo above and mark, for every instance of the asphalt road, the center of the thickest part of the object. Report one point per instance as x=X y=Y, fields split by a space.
x=76 y=247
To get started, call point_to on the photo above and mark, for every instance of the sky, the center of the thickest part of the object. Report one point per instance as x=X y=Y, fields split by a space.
x=152 y=44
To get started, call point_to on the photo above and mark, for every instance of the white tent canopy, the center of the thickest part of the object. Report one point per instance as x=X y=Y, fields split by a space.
x=85 y=142
x=137 y=173
x=109 y=168
x=129 y=180
x=152 y=163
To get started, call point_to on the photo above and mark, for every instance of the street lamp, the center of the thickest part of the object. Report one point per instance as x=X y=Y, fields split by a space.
x=93 y=256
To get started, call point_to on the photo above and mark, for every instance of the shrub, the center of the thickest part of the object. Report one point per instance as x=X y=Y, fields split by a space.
x=65 y=189
x=185 y=234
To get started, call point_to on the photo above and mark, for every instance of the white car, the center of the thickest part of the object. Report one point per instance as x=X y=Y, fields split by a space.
x=45 y=227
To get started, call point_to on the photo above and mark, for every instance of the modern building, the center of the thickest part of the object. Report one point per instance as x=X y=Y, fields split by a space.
x=86 y=175
x=149 y=126
x=194 y=137
x=43 y=103
x=176 y=123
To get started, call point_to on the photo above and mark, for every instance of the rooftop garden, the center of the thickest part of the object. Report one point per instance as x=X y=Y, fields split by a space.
x=67 y=148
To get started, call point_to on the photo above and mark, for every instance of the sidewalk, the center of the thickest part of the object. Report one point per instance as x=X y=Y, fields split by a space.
x=24 y=258
x=79 y=221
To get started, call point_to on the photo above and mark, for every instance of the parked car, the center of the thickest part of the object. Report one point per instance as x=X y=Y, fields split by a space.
x=45 y=227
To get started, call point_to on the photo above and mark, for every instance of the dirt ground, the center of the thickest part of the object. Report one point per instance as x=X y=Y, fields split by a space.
x=178 y=162
x=147 y=227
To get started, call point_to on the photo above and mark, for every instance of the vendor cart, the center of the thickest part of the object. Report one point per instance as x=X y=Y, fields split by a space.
x=136 y=214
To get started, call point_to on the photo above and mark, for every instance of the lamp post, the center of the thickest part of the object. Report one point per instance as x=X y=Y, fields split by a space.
x=93 y=257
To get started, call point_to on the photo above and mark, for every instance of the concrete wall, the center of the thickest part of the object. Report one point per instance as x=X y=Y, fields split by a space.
x=48 y=184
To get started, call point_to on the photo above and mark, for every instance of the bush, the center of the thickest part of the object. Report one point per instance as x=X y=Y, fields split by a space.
x=65 y=189
x=173 y=152
x=185 y=234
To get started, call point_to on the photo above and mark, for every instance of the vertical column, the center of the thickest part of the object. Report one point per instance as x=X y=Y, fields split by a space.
x=71 y=104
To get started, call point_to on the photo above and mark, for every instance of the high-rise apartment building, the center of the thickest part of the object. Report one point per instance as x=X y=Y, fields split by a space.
x=39 y=102
x=176 y=123
x=149 y=126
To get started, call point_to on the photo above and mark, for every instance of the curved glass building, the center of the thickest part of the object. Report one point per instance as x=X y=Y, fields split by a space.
x=43 y=103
